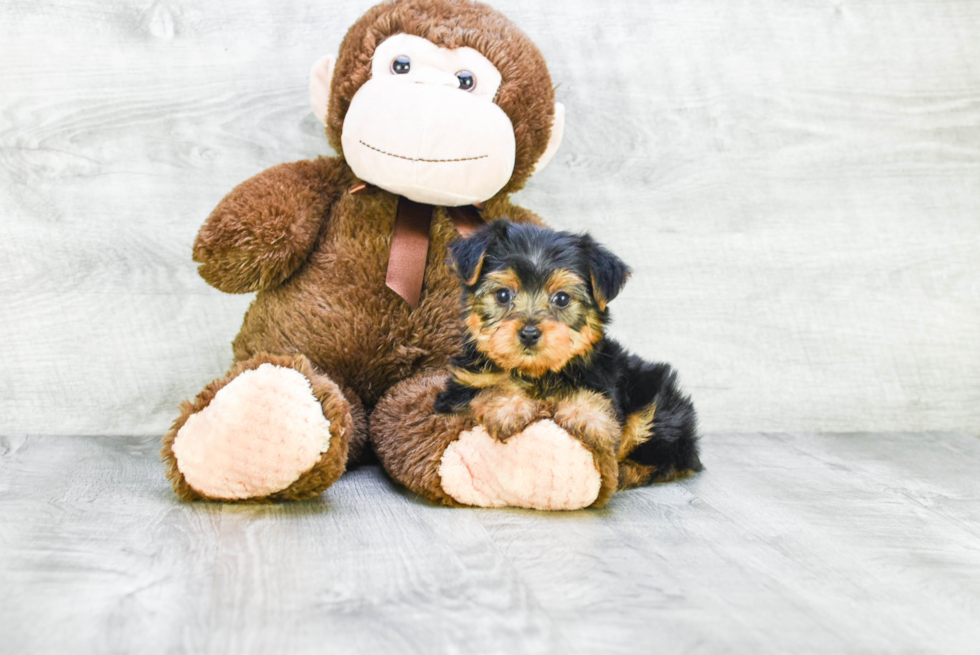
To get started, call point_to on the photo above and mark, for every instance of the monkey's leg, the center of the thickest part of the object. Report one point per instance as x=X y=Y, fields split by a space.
x=448 y=459
x=273 y=428
x=659 y=440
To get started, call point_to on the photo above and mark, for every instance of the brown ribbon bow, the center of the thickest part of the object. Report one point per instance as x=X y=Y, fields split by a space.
x=410 y=242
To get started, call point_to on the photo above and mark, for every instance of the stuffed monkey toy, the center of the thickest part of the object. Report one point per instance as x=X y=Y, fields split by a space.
x=439 y=110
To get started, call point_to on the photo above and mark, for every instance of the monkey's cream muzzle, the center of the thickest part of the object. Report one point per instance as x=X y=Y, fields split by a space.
x=425 y=126
x=428 y=141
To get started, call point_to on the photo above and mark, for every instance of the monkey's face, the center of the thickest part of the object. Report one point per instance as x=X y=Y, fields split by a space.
x=425 y=125
x=443 y=101
x=532 y=318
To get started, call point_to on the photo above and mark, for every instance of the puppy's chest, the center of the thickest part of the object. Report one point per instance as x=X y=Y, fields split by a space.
x=553 y=388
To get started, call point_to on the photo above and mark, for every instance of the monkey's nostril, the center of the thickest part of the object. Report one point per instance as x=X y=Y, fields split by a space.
x=529 y=335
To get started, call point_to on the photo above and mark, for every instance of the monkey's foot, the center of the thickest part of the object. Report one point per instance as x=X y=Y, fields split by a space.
x=265 y=433
x=542 y=467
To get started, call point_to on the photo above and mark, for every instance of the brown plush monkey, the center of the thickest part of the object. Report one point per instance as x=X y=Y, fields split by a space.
x=434 y=106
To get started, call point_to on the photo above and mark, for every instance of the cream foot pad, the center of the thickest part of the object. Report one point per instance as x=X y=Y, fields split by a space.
x=542 y=467
x=260 y=432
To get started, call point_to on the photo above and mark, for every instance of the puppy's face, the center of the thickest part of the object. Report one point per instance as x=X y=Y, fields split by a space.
x=535 y=322
x=532 y=297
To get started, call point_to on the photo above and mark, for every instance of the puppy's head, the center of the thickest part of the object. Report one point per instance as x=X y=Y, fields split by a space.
x=534 y=299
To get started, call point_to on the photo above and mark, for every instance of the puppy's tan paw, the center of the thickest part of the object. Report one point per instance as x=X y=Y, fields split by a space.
x=504 y=413
x=590 y=417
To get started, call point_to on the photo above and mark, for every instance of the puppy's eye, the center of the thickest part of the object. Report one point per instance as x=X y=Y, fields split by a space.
x=503 y=296
x=561 y=299
x=401 y=65
x=466 y=80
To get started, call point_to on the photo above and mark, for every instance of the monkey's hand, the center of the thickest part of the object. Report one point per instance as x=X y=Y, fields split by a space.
x=590 y=417
x=505 y=412
x=262 y=231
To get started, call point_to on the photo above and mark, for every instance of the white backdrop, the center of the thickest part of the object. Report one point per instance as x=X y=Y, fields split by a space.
x=796 y=184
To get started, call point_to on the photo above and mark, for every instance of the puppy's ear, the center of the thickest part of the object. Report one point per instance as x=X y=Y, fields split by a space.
x=466 y=255
x=607 y=271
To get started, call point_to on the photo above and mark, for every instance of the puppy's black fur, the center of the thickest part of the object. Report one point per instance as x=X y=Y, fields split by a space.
x=529 y=267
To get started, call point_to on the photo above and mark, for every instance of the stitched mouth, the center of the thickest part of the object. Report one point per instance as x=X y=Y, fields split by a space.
x=431 y=161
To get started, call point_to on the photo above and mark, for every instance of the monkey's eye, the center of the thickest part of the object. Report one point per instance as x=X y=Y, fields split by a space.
x=401 y=65
x=466 y=80
x=503 y=296
x=561 y=299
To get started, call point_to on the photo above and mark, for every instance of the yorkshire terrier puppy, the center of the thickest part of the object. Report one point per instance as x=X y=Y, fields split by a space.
x=535 y=310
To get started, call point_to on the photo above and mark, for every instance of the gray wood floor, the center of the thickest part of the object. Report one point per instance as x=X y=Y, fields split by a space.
x=788 y=543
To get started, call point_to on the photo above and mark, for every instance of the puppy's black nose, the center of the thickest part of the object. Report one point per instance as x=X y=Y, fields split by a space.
x=529 y=335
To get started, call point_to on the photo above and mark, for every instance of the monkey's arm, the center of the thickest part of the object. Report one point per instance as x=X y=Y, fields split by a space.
x=262 y=231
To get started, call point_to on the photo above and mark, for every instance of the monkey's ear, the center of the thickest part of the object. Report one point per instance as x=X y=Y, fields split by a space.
x=608 y=272
x=320 y=76
x=466 y=255
x=557 y=131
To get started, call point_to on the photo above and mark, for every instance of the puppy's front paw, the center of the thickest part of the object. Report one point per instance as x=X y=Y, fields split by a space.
x=505 y=413
x=590 y=417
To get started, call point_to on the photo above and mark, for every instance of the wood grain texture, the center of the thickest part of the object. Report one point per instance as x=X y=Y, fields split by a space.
x=788 y=543
x=797 y=186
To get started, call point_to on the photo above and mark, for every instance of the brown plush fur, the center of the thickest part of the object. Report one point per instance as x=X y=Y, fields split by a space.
x=262 y=231
x=415 y=436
